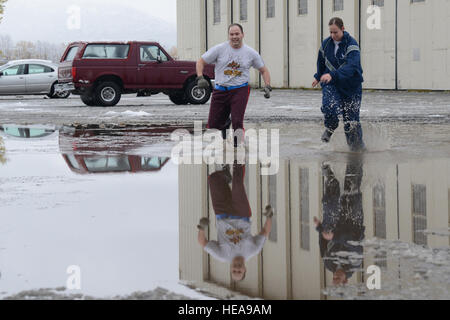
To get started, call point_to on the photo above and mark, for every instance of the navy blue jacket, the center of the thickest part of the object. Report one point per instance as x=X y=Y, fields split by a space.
x=345 y=68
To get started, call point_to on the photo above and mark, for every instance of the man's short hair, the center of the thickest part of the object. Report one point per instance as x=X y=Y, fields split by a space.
x=236 y=25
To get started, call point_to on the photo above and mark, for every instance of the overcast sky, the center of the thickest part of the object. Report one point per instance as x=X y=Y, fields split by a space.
x=33 y=20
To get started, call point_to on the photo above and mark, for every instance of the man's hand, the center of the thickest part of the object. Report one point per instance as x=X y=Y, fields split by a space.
x=315 y=83
x=203 y=224
x=202 y=83
x=268 y=212
x=267 y=89
x=326 y=78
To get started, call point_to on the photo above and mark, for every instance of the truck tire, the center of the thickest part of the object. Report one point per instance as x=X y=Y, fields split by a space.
x=179 y=98
x=108 y=94
x=88 y=99
x=195 y=95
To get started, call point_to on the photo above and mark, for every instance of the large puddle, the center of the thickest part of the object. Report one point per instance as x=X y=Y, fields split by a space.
x=112 y=205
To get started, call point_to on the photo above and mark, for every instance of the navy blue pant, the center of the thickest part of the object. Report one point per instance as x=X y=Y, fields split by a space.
x=335 y=104
x=343 y=213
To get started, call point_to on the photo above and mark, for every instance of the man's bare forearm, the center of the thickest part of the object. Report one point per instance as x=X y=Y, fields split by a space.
x=200 y=66
x=202 y=238
x=267 y=228
x=265 y=75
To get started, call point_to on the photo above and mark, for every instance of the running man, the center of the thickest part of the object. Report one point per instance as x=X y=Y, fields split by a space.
x=339 y=72
x=233 y=60
x=235 y=244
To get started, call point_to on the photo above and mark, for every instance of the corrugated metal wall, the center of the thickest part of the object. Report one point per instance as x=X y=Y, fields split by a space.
x=411 y=50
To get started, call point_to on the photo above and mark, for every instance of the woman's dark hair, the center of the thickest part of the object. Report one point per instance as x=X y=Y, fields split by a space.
x=235 y=25
x=337 y=22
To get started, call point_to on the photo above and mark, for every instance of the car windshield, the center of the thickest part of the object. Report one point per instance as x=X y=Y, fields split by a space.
x=4 y=66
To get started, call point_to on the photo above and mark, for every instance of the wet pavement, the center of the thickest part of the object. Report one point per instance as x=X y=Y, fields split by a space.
x=284 y=106
x=99 y=189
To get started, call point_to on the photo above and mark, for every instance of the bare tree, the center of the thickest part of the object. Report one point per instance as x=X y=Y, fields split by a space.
x=30 y=50
x=6 y=47
x=24 y=50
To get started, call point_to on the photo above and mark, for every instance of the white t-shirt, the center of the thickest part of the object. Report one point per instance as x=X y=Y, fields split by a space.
x=234 y=240
x=336 y=47
x=233 y=65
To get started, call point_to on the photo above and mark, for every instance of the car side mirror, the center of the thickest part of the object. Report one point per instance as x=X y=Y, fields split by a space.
x=159 y=59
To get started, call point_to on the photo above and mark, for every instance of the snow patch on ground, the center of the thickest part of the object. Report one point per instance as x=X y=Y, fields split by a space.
x=62 y=294
x=129 y=113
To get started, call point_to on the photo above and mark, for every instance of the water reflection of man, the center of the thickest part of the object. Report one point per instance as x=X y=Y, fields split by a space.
x=235 y=244
x=342 y=224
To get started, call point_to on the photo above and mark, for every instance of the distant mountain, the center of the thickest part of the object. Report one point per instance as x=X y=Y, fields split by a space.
x=46 y=20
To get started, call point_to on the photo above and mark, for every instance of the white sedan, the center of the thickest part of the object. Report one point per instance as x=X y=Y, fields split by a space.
x=30 y=77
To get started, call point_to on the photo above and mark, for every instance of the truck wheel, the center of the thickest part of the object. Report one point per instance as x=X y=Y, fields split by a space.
x=195 y=95
x=88 y=100
x=108 y=94
x=178 y=98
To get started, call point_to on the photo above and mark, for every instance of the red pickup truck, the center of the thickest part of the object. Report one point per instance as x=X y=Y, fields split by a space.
x=100 y=72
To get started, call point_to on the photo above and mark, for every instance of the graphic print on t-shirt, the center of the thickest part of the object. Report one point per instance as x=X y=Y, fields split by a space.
x=234 y=235
x=232 y=69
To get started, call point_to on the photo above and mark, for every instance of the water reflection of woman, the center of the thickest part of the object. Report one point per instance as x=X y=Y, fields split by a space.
x=235 y=244
x=342 y=227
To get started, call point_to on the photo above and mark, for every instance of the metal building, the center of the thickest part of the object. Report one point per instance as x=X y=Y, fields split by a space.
x=405 y=44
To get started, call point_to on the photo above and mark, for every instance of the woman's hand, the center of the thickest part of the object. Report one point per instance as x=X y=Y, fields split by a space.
x=315 y=83
x=326 y=235
x=326 y=78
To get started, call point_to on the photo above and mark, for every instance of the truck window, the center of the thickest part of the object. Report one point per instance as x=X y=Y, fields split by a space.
x=151 y=52
x=71 y=54
x=106 y=51
x=107 y=164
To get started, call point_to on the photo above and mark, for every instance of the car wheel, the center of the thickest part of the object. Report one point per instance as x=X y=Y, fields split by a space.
x=88 y=100
x=108 y=94
x=53 y=95
x=196 y=95
x=178 y=98
x=62 y=95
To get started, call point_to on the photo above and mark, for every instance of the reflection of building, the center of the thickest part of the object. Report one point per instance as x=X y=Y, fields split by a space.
x=410 y=42
x=398 y=202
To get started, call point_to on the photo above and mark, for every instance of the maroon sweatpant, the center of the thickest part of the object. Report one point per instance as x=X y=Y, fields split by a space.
x=232 y=202
x=224 y=103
